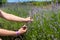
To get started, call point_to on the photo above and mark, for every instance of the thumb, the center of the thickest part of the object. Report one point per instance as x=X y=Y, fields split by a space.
x=24 y=27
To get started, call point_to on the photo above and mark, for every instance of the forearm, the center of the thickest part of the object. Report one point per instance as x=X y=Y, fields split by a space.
x=12 y=17
x=4 y=32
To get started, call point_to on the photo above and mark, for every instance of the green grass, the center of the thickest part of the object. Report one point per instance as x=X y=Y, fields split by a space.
x=44 y=27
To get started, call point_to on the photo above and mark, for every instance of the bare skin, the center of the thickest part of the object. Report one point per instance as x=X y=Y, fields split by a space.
x=4 y=32
x=13 y=17
x=10 y=17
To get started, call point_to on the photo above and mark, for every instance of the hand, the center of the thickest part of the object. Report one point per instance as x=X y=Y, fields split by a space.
x=23 y=29
x=29 y=19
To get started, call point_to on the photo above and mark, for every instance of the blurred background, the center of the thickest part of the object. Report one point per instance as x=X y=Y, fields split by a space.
x=46 y=15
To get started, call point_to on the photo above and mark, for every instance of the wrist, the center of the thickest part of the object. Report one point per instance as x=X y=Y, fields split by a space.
x=17 y=33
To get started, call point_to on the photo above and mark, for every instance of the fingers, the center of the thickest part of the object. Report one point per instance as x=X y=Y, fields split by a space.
x=31 y=19
x=24 y=27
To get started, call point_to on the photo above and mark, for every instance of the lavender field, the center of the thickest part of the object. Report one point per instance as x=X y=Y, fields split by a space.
x=46 y=24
